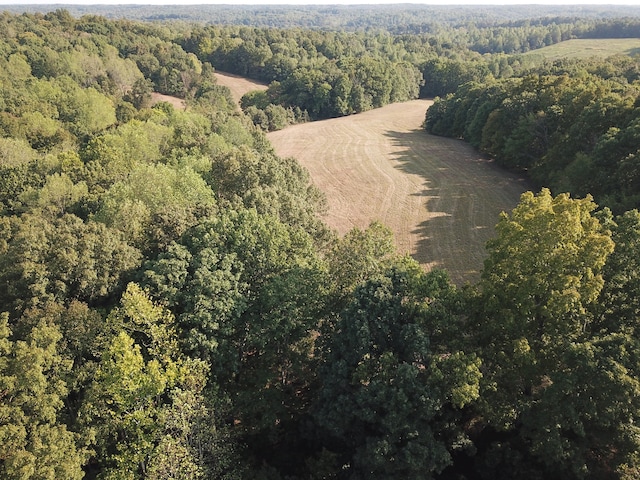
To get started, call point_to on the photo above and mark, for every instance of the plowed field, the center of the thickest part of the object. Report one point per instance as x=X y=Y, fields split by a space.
x=438 y=195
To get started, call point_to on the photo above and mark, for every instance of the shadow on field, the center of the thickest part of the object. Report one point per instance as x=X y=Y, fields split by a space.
x=464 y=193
x=632 y=52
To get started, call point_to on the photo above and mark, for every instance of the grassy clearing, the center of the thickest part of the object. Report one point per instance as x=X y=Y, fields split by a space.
x=238 y=85
x=589 y=48
x=439 y=196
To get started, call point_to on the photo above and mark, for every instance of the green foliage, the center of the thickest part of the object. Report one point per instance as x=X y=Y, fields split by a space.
x=543 y=271
x=545 y=265
x=121 y=407
x=15 y=152
x=572 y=126
x=62 y=259
x=155 y=203
x=325 y=74
x=272 y=185
x=619 y=302
x=59 y=195
x=34 y=443
x=546 y=373
x=259 y=344
x=384 y=388
x=246 y=290
x=145 y=407
x=360 y=255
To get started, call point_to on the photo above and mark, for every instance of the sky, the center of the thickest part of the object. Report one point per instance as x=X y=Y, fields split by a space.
x=321 y=2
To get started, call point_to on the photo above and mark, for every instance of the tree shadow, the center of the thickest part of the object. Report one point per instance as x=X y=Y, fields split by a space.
x=464 y=193
x=632 y=52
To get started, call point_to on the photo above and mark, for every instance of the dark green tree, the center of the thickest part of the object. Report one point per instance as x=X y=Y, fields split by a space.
x=386 y=391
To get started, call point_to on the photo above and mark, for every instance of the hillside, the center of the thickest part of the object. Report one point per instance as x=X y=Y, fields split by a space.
x=440 y=197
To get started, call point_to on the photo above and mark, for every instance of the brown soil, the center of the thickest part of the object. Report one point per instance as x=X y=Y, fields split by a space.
x=439 y=196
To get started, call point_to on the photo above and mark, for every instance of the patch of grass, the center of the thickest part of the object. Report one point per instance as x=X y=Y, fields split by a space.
x=589 y=48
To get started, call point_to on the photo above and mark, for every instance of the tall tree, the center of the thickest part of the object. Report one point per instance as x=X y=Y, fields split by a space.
x=543 y=273
x=34 y=443
x=386 y=391
x=247 y=291
x=146 y=402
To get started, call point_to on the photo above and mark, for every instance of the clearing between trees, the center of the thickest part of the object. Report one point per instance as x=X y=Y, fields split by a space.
x=439 y=196
x=589 y=48
x=238 y=85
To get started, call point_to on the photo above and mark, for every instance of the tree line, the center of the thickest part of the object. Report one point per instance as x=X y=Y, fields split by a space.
x=173 y=307
x=397 y=19
x=571 y=126
x=328 y=73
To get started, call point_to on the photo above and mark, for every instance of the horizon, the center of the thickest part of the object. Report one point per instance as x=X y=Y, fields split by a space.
x=576 y=3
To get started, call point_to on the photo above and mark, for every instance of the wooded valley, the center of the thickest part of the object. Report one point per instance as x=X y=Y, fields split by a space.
x=174 y=307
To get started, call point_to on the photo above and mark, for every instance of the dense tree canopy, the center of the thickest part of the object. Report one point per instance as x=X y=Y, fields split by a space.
x=571 y=126
x=173 y=306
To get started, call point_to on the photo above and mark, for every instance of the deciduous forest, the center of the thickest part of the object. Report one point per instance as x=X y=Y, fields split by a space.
x=174 y=307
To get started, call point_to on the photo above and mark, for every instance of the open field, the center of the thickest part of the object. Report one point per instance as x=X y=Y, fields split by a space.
x=440 y=197
x=588 y=48
x=177 y=103
x=238 y=85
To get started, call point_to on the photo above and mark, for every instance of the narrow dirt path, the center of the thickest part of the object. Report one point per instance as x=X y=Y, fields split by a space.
x=439 y=196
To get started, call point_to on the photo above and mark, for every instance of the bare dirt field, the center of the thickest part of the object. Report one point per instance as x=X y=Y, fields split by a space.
x=440 y=197
x=238 y=85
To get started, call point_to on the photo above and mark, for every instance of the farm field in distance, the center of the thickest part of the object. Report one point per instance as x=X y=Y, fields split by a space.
x=440 y=197
x=588 y=48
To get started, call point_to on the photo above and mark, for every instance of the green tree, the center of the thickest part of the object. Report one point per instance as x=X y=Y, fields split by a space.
x=156 y=204
x=386 y=392
x=146 y=406
x=358 y=256
x=121 y=408
x=15 y=152
x=618 y=305
x=34 y=443
x=539 y=284
x=59 y=195
x=543 y=271
x=62 y=259
x=140 y=93
x=544 y=267
x=247 y=292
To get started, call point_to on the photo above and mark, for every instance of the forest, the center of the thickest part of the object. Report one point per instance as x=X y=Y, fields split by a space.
x=174 y=307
